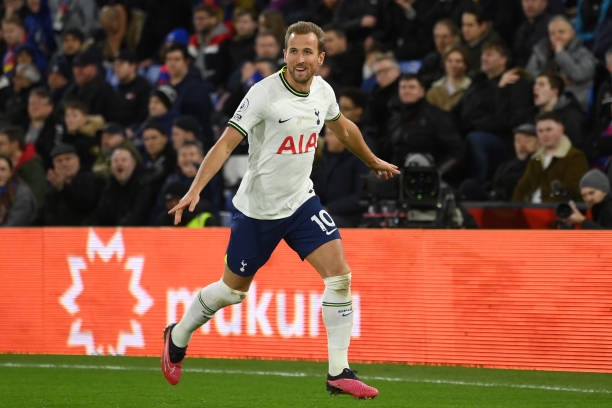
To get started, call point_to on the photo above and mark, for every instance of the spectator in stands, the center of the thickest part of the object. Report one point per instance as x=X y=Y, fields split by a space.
x=189 y=157
x=161 y=111
x=192 y=93
x=67 y=15
x=115 y=20
x=82 y=131
x=159 y=157
x=555 y=169
x=446 y=92
x=42 y=130
x=268 y=47
x=273 y=21
x=91 y=88
x=73 y=192
x=27 y=76
x=508 y=173
x=548 y=96
x=17 y=208
x=58 y=80
x=344 y=63
x=39 y=27
x=339 y=182
x=352 y=103
x=133 y=89
x=184 y=128
x=240 y=47
x=113 y=135
x=476 y=30
x=72 y=42
x=603 y=94
x=25 y=163
x=126 y=199
x=591 y=16
x=531 y=31
x=445 y=35
x=496 y=102
x=13 y=34
x=204 y=44
x=562 y=52
x=357 y=18
x=416 y=126
x=595 y=191
x=387 y=73
x=399 y=28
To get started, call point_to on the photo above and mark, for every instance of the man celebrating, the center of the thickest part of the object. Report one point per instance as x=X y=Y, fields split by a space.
x=293 y=102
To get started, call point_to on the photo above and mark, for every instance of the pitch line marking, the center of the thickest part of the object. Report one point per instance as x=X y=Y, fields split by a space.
x=301 y=374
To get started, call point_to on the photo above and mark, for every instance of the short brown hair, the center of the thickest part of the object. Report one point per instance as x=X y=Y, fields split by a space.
x=306 y=27
x=461 y=50
x=555 y=81
x=551 y=115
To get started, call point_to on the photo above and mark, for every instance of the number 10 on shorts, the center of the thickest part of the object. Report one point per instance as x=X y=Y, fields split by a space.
x=323 y=220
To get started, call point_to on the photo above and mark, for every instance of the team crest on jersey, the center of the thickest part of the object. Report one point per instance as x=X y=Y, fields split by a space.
x=317 y=115
x=244 y=105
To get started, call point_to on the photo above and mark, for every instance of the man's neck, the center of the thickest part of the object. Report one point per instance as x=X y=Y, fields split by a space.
x=305 y=88
x=550 y=105
x=37 y=123
x=128 y=79
x=495 y=73
x=15 y=156
x=177 y=79
x=456 y=81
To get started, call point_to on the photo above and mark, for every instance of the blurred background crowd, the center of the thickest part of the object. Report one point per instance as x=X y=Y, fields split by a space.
x=107 y=108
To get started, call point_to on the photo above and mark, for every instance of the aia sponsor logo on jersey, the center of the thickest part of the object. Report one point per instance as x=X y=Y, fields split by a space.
x=297 y=145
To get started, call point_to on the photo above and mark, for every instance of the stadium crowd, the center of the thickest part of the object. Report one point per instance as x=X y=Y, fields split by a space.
x=108 y=107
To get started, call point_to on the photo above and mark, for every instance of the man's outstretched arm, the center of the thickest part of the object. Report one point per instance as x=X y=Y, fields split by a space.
x=350 y=135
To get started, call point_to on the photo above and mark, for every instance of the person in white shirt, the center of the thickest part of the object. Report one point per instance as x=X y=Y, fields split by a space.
x=281 y=116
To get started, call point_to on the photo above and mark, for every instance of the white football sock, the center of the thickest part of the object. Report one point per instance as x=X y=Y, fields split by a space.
x=337 y=313
x=215 y=296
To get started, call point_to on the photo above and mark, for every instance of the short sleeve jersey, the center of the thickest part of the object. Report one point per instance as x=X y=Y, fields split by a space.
x=282 y=126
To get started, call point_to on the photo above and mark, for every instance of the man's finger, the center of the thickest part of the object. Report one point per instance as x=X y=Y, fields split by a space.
x=177 y=216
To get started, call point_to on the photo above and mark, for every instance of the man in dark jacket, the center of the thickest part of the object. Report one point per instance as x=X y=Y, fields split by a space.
x=133 y=89
x=91 y=88
x=73 y=193
x=344 y=63
x=595 y=191
x=416 y=126
x=532 y=30
x=127 y=198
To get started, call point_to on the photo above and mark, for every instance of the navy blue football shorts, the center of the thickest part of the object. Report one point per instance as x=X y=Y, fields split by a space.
x=252 y=241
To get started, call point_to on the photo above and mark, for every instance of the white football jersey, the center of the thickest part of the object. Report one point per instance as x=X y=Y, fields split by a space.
x=282 y=126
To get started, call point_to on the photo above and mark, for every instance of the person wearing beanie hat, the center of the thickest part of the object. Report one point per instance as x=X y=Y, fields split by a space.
x=595 y=191
x=166 y=95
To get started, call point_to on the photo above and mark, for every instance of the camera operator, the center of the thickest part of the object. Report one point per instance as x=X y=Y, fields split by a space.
x=595 y=191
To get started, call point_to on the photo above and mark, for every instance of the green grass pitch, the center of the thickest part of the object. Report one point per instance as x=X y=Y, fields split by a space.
x=35 y=381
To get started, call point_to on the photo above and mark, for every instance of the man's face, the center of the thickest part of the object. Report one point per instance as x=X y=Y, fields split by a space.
x=492 y=61
x=156 y=106
x=542 y=92
x=559 y=32
x=245 y=26
x=334 y=44
x=6 y=146
x=188 y=156
x=303 y=57
x=122 y=165
x=410 y=91
x=179 y=136
x=592 y=196
x=71 y=44
x=20 y=81
x=56 y=80
x=204 y=22
x=66 y=164
x=39 y=108
x=110 y=141
x=533 y=8
x=550 y=133
x=470 y=28
x=454 y=64
x=5 y=172
x=154 y=141
x=266 y=46
x=386 y=72
x=177 y=65
x=13 y=34
x=124 y=70
x=83 y=74
x=443 y=37
x=524 y=145
x=74 y=118
x=349 y=109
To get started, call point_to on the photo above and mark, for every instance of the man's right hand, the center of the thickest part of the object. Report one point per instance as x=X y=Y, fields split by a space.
x=189 y=200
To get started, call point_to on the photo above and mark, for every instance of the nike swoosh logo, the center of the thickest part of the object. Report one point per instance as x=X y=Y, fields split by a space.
x=331 y=232
x=283 y=121
x=346 y=314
